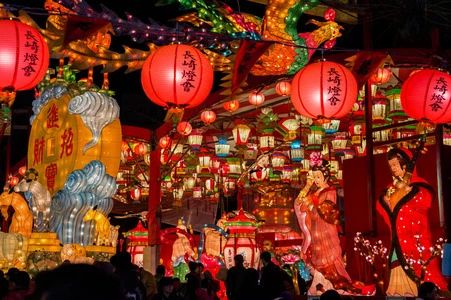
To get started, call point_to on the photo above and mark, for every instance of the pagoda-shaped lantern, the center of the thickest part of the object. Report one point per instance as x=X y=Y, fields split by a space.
x=315 y=138
x=395 y=111
x=278 y=161
x=241 y=134
x=234 y=167
x=339 y=141
x=204 y=161
x=266 y=140
x=287 y=172
x=288 y=128
x=357 y=131
x=137 y=240
x=241 y=240
x=296 y=151
x=447 y=138
x=222 y=148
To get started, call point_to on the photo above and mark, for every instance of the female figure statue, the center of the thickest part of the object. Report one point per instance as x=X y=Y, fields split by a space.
x=318 y=217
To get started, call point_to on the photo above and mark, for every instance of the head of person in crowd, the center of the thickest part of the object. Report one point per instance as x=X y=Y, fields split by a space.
x=239 y=260
x=265 y=258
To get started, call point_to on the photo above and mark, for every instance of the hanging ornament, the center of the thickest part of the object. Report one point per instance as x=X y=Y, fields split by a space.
x=426 y=95
x=184 y=128
x=324 y=90
x=381 y=76
x=232 y=105
x=256 y=98
x=208 y=117
x=140 y=149
x=24 y=58
x=283 y=88
x=165 y=142
x=135 y=194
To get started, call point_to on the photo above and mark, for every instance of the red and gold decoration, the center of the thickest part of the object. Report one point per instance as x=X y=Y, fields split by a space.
x=24 y=58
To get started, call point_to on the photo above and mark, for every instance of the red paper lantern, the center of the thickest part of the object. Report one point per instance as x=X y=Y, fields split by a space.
x=283 y=88
x=208 y=117
x=381 y=76
x=324 y=90
x=177 y=75
x=22 y=170
x=232 y=105
x=165 y=142
x=135 y=194
x=256 y=98
x=184 y=128
x=426 y=95
x=13 y=180
x=140 y=149
x=24 y=56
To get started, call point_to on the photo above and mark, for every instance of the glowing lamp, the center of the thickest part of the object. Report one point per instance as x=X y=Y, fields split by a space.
x=283 y=88
x=208 y=117
x=22 y=170
x=165 y=142
x=260 y=175
x=189 y=183
x=135 y=194
x=447 y=139
x=177 y=151
x=339 y=141
x=13 y=180
x=210 y=184
x=395 y=112
x=404 y=132
x=204 y=162
x=232 y=105
x=222 y=149
x=250 y=152
x=426 y=95
x=177 y=76
x=256 y=98
x=381 y=135
x=288 y=128
x=241 y=133
x=357 y=131
x=266 y=142
x=278 y=160
x=140 y=149
x=381 y=76
x=287 y=172
x=197 y=192
x=331 y=127
x=195 y=139
x=315 y=138
x=184 y=128
x=324 y=90
x=296 y=151
x=234 y=167
x=24 y=58
x=379 y=109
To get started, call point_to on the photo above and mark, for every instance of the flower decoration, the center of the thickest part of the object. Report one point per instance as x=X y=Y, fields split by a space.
x=316 y=159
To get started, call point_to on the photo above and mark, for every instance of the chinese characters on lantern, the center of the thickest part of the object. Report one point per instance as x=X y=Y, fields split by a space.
x=188 y=73
x=30 y=56
x=334 y=90
x=438 y=97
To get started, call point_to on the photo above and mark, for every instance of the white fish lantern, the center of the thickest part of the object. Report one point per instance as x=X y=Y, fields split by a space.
x=241 y=240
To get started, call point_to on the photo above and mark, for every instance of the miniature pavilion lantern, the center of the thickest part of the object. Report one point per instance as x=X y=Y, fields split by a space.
x=278 y=160
x=195 y=139
x=250 y=152
x=339 y=141
x=447 y=138
x=241 y=240
x=177 y=193
x=403 y=132
x=204 y=160
x=210 y=184
x=197 y=192
x=357 y=131
x=234 y=167
x=288 y=128
x=381 y=135
x=222 y=148
x=395 y=112
x=296 y=151
x=315 y=138
x=287 y=172
x=137 y=240
x=379 y=109
x=332 y=126
x=266 y=141
x=241 y=133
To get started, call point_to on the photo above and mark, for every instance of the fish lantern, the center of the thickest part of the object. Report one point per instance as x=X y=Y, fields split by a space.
x=425 y=96
x=24 y=58
x=324 y=90
x=177 y=76
x=241 y=240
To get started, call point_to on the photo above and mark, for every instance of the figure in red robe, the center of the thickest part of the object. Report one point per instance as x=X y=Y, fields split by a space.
x=405 y=206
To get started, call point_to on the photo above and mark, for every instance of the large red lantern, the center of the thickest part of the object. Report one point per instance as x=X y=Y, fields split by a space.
x=324 y=90
x=177 y=75
x=426 y=95
x=24 y=58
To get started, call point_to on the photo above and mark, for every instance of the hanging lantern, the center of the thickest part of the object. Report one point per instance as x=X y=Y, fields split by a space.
x=176 y=150
x=360 y=150
x=222 y=148
x=135 y=194
x=426 y=95
x=204 y=163
x=324 y=90
x=229 y=186
x=288 y=128
x=195 y=139
x=278 y=160
x=357 y=131
x=250 y=152
x=339 y=142
x=177 y=76
x=266 y=141
x=234 y=167
x=208 y=117
x=177 y=193
x=165 y=142
x=241 y=240
x=197 y=192
x=379 y=109
x=296 y=151
x=287 y=172
x=137 y=240
x=381 y=135
x=447 y=138
x=140 y=149
x=184 y=128
x=331 y=127
x=24 y=58
x=404 y=132
x=241 y=133
x=283 y=88
x=381 y=76
x=395 y=113
x=315 y=138
x=210 y=184
x=256 y=98
x=232 y=105
x=215 y=165
x=189 y=183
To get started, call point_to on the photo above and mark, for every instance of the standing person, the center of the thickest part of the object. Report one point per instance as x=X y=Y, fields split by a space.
x=236 y=279
x=405 y=206
x=271 y=279
x=318 y=216
x=166 y=291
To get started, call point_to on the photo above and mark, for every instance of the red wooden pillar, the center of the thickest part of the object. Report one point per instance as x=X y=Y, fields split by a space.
x=154 y=199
